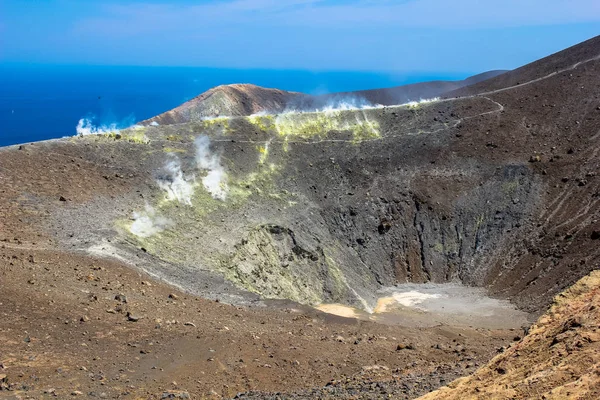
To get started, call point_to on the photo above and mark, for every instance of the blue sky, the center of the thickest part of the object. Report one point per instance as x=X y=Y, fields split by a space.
x=385 y=35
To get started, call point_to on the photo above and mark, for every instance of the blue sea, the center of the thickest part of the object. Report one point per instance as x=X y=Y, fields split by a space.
x=39 y=102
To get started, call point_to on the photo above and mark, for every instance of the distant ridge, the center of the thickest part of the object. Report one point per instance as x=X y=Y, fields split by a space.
x=247 y=99
x=226 y=100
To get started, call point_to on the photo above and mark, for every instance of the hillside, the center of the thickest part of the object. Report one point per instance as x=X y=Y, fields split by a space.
x=227 y=100
x=553 y=64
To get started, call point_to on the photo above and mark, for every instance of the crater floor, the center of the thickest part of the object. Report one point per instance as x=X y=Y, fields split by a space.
x=426 y=305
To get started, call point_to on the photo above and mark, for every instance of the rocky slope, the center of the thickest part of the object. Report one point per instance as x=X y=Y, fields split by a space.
x=553 y=64
x=558 y=359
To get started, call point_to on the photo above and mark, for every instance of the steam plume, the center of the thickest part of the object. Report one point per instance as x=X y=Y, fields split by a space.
x=215 y=181
x=177 y=186
x=86 y=126
x=147 y=223
x=180 y=186
x=421 y=101
x=329 y=103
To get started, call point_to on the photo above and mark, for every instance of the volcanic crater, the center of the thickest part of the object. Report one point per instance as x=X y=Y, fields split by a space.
x=493 y=186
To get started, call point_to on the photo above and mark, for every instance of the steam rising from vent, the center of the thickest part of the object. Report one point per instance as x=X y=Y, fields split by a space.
x=85 y=126
x=348 y=103
x=177 y=186
x=215 y=181
x=331 y=103
x=147 y=223
x=422 y=101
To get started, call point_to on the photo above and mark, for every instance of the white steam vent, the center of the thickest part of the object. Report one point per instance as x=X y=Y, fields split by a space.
x=348 y=103
x=147 y=223
x=215 y=180
x=335 y=103
x=177 y=186
x=86 y=127
x=413 y=104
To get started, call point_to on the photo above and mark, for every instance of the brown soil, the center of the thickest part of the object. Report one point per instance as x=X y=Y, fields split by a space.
x=65 y=328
